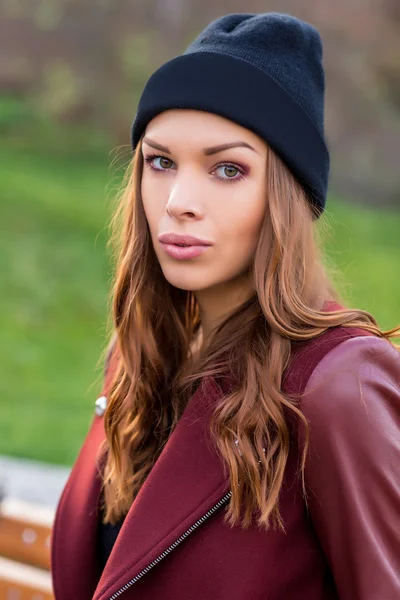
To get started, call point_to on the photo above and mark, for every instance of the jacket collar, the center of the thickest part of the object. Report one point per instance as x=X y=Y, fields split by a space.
x=186 y=481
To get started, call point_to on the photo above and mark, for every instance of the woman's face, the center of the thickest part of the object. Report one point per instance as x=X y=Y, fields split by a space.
x=188 y=188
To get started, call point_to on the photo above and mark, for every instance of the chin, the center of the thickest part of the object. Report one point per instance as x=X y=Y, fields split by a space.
x=186 y=281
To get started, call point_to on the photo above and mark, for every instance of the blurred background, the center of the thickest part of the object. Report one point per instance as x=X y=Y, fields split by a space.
x=71 y=73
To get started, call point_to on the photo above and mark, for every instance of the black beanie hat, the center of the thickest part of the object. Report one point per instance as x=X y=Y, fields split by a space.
x=262 y=71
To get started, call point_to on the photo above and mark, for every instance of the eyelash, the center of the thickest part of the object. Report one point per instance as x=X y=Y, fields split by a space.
x=151 y=157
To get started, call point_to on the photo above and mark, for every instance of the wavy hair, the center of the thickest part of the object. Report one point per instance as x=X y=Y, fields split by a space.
x=154 y=379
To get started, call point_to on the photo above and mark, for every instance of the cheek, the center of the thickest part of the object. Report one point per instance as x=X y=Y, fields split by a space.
x=242 y=223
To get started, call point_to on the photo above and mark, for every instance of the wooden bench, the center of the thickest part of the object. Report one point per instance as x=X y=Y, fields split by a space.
x=25 y=531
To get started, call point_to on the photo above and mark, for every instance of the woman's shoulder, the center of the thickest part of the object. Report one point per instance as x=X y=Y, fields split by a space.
x=307 y=355
x=347 y=380
x=359 y=378
x=336 y=347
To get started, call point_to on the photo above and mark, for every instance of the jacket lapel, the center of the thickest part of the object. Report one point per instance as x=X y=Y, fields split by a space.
x=185 y=482
x=74 y=565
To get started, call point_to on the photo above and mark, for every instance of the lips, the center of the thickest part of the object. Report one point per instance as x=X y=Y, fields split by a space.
x=184 y=252
x=182 y=240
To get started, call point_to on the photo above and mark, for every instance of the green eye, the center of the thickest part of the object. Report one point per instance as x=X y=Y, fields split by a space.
x=230 y=168
x=149 y=160
x=164 y=160
x=230 y=173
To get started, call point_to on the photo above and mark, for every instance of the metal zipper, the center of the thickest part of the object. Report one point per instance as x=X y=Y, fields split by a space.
x=174 y=545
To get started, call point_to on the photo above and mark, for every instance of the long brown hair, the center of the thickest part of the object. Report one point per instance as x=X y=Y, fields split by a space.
x=155 y=377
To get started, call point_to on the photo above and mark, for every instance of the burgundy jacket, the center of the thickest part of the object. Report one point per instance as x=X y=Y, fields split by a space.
x=174 y=545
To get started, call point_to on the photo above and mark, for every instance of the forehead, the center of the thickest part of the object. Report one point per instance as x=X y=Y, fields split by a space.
x=200 y=128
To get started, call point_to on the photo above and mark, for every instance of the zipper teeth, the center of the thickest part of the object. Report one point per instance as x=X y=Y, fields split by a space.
x=168 y=550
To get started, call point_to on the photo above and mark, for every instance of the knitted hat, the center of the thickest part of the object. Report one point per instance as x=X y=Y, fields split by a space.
x=262 y=71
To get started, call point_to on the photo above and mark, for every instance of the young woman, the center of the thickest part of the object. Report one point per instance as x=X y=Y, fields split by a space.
x=246 y=442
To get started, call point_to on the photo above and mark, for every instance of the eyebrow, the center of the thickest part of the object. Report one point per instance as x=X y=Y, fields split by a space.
x=206 y=151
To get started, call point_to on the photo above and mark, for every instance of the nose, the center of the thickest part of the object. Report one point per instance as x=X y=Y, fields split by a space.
x=184 y=200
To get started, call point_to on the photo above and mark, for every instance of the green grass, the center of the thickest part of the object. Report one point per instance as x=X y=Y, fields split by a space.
x=54 y=275
x=55 y=279
x=365 y=248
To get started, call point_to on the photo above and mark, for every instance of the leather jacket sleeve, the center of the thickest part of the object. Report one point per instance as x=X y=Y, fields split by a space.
x=352 y=473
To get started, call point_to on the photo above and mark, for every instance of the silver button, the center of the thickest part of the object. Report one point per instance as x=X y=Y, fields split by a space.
x=100 y=405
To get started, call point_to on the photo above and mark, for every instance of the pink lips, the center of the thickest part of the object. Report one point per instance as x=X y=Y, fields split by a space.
x=182 y=252
x=192 y=246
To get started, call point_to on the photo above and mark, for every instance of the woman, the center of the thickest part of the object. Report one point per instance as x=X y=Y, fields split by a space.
x=246 y=442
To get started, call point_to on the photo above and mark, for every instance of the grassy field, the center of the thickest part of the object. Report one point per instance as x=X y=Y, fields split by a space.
x=55 y=276
x=364 y=247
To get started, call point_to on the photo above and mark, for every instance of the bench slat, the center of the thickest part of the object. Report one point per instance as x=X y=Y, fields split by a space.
x=25 y=530
x=25 y=541
x=24 y=582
